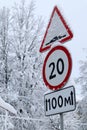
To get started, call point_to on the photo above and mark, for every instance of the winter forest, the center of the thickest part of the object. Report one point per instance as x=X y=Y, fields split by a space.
x=21 y=83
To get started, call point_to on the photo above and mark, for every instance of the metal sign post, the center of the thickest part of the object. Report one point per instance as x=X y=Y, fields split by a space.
x=59 y=102
x=57 y=67
x=61 y=122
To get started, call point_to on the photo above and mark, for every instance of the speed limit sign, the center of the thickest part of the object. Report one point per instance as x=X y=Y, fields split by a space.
x=57 y=67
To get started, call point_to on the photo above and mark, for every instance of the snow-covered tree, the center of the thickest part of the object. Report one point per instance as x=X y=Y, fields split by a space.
x=5 y=70
x=82 y=80
x=25 y=40
x=25 y=78
x=82 y=106
x=20 y=61
x=23 y=83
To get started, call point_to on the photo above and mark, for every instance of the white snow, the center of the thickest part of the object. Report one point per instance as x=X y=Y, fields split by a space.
x=7 y=106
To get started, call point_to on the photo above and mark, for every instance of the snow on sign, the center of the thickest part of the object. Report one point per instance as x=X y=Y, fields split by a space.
x=57 y=67
x=57 y=29
x=60 y=101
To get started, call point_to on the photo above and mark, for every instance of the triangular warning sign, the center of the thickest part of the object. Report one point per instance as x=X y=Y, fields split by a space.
x=57 y=29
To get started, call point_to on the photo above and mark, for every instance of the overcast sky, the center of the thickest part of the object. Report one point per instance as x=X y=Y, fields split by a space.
x=74 y=13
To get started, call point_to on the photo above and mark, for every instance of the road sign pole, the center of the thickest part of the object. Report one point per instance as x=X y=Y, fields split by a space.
x=61 y=121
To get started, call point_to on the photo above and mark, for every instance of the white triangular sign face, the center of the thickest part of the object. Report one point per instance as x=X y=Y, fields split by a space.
x=57 y=29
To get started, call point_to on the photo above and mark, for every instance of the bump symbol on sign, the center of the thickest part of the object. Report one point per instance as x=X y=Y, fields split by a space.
x=57 y=30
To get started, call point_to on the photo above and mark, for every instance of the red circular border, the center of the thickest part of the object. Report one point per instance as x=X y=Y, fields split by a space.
x=69 y=68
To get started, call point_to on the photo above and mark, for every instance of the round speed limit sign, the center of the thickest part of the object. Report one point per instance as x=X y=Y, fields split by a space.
x=57 y=67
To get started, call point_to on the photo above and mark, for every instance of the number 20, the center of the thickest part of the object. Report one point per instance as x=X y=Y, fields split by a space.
x=53 y=66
